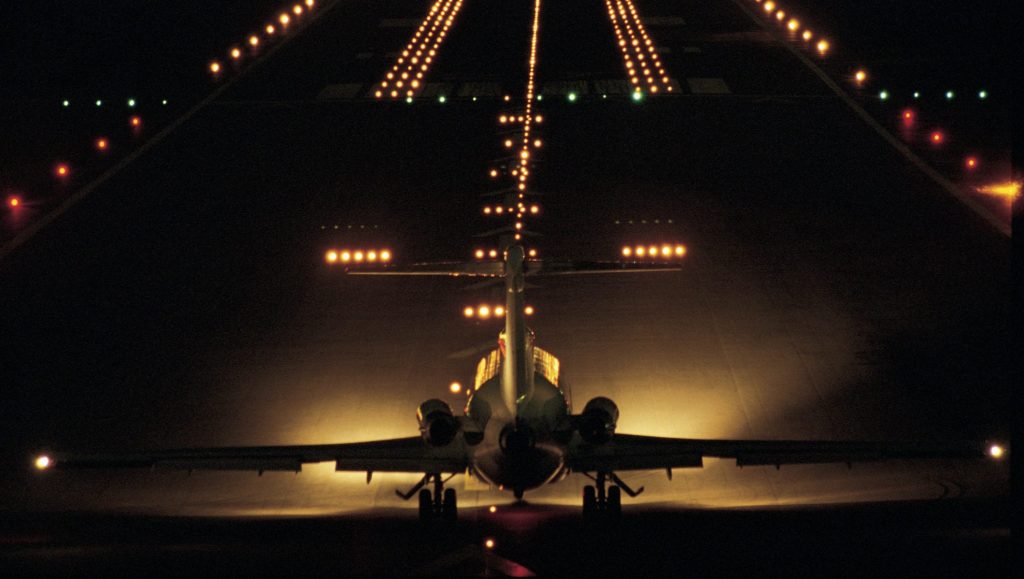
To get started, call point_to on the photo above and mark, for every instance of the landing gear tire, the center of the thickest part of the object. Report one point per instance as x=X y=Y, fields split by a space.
x=589 y=501
x=426 y=506
x=449 y=507
x=613 y=505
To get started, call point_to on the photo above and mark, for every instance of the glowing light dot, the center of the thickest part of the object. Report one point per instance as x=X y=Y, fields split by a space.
x=284 y=19
x=331 y=256
x=860 y=76
x=254 y=40
x=823 y=47
x=793 y=24
x=883 y=95
x=345 y=257
x=455 y=387
x=236 y=53
x=66 y=103
x=468 y=312
x=572 y=97
x=102 y=144
x=937 y=137
x=43 y=462
x=214 y=68
x=982 y=94
x=483 y=312
x=135 y=121
x=493 y=509
x=807 y=35
x=950 y=95
x=627 y=251
x=528 y=310
x=971 y=162
x=489 y=543
x=385 y=255
x=13 y=201
x=62 y=170
x=270 y=29
x=996 y=451
x=357 y=256
x=131 y=103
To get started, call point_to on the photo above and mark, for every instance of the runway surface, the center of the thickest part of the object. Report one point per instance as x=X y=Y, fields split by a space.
x=830 y=291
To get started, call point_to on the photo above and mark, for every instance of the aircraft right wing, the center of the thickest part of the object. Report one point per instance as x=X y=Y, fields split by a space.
x=631 y=452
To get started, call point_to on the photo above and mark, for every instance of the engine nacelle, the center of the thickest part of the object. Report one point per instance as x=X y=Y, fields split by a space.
x=597 y=423
x=437 y=423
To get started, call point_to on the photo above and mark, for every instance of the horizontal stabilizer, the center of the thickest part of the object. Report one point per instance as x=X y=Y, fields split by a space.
x=594 y=267
x=451 y=268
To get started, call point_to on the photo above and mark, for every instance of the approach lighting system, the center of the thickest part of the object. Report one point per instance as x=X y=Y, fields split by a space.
x=653 y=253
x=639 y=55
x=487 y=312
x=407 y=74
x=346 y=256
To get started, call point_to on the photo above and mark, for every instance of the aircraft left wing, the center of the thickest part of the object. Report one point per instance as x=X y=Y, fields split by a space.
x=396 y=455
x=630 y=452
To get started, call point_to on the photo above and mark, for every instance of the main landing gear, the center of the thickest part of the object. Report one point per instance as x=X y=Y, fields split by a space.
x=608 y=503
x=437 y=505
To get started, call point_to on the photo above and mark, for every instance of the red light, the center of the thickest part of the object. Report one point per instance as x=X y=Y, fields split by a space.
x=136 y=121
x=102 y=144
x=908 y=117
x=937 y=137
x=971 y=163
x=13 y=201
x=62 y=170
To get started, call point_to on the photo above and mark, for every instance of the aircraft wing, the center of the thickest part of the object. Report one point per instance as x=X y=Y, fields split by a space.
x=630 y=452
x=396 y=455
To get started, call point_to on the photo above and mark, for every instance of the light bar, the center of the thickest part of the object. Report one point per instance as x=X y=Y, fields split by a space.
x=357 y=256
x=487 y=312
x=406 y=76
x=653 y=252
x=643 y=67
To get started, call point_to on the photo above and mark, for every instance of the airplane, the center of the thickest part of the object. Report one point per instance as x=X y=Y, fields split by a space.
x=518 y=431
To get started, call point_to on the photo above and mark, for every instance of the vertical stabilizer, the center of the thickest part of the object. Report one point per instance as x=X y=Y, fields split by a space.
x=516 y=377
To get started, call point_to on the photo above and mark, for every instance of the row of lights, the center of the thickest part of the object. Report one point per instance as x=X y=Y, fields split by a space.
x=130 y=102
x=333 y=256
x=794 y=26
x=653 y=252
x=521 y=208
x=638 y=50
x=936 y=137
x=406 y=75
x=279 y=24
x=485 y=312
x=480 y=253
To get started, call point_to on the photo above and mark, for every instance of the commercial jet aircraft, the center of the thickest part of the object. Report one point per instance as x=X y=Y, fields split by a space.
x=518 y=431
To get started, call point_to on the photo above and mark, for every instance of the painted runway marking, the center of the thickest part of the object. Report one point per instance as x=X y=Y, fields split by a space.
x=480 y=89
x=398 y=22
x=346 y=91
x=708 y=86
x=663 y=21
x=564 y=87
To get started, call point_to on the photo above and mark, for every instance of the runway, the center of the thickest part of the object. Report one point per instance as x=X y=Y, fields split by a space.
x=830 y=291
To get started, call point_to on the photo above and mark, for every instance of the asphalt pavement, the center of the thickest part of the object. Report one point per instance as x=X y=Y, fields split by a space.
x=830 y=291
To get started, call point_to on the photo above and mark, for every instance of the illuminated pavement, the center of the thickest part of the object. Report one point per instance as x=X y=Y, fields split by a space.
x=830 y=290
